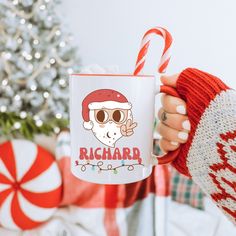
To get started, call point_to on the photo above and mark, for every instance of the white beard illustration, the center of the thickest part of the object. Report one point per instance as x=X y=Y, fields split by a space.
x=109 y=134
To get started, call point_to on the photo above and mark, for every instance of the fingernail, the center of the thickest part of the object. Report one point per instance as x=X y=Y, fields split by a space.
x=174 y=143
x=183 y=135
x=186 y=125
x=181 y=109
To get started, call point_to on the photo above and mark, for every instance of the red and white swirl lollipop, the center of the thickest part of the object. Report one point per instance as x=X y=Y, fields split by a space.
x=165 y=58
x=30 y=185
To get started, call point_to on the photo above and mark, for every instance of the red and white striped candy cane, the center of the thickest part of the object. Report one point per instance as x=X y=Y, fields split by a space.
x=165 y=58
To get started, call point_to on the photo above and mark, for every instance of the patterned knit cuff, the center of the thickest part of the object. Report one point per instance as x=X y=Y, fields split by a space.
x=198 y=89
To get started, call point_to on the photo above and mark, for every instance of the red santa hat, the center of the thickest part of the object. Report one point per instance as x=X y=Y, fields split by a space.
x=102 y=98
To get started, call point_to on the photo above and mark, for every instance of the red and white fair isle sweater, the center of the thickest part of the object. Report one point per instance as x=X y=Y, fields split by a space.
x=209 y=156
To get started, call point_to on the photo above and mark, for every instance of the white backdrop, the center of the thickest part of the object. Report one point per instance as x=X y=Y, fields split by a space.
x=108 y=32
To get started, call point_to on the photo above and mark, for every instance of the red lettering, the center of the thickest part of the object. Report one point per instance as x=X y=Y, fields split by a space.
x=91 y=157
x=106 y=155
x=117 y=155
x=83 y=154
x=110 y=154
x=136 y=155
x=126 y=154
x=97 y=155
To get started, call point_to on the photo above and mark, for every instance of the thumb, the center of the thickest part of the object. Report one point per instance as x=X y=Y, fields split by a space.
x=169 y=80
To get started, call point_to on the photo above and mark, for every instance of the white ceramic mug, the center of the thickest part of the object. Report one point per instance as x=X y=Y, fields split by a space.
x=111 y=125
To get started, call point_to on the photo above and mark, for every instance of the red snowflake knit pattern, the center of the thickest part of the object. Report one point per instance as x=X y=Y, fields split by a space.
x=225 y=184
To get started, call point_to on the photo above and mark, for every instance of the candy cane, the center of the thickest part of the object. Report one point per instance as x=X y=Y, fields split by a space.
x=165 y=58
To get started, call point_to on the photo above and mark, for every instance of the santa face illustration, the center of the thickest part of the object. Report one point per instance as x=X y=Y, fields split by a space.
x=107 y=113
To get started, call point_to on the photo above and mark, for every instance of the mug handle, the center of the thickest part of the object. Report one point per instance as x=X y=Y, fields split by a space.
x=170 y=156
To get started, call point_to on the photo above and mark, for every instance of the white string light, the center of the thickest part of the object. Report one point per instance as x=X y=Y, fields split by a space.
x=56 y=130
x=19 y=40
x=17 y=125
x=42 y=7
x=3 y=108
x=24 y=54
x=15 y=2
x=4 y=82
x=33 y=87
x=46 y=94
x=58 y=115
x=6 y=55
x=17 y=97
x=62 y=82
x=58 y=33
x=23 y=114
x=36 y=42
x=29 y=26
x=37 y=55
x=62 y=44
x=52 y=61
x=36 y=117
x=22 y=21
x=28 y=57
x=39 y=123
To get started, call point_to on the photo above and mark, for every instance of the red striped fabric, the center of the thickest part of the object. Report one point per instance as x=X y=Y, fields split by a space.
x=111 y=197
x=110 y=205
x=89 y=195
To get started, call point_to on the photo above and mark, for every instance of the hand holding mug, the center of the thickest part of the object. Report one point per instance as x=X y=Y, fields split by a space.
x=174 y=126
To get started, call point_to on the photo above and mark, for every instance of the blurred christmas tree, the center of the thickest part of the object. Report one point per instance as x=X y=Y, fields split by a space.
x=36 y=57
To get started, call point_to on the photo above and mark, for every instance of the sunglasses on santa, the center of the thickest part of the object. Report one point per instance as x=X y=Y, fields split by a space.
x=118 y=116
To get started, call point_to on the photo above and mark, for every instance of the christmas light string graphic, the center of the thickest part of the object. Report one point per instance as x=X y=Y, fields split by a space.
x=99 y=165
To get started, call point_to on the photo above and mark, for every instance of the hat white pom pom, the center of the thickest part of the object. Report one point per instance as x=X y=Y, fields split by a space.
x=88 y=125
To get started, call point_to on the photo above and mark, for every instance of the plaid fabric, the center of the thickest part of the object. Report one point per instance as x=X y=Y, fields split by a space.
x=134 y=209
x=182 y=188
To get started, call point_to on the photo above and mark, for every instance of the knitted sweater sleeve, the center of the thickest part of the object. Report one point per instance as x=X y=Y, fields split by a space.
x=209 y=156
